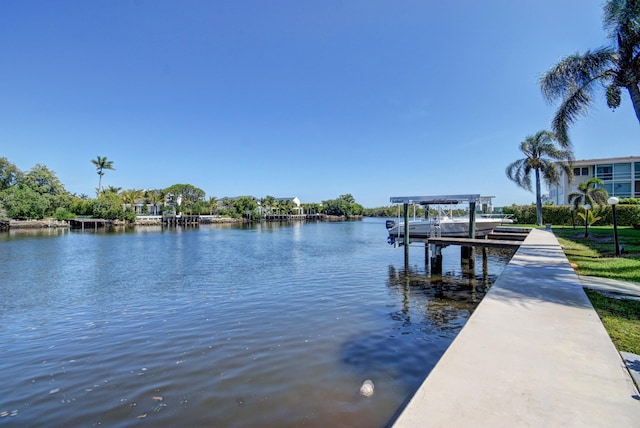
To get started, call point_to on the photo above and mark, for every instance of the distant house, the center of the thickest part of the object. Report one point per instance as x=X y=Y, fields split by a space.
x=621 y=177
x=143 y=208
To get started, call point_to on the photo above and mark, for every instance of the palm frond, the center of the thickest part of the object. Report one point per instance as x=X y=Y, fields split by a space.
x=574 y=106
x=622 y=19
x=576 y=71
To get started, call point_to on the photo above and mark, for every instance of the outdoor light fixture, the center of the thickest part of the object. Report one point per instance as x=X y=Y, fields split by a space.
x=613 y=201
x=587 y=207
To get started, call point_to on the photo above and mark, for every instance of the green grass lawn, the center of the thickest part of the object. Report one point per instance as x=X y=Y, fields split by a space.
x=595 y=256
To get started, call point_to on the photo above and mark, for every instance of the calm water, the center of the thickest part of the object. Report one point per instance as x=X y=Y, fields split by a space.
x=269 y=325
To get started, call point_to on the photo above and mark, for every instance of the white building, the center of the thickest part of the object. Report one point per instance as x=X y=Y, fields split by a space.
x=621 y=177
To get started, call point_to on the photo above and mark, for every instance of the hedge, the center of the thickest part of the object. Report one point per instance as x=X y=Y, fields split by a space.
x=627 y=215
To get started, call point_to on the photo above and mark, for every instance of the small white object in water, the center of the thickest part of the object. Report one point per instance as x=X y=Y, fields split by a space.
x=367 y=388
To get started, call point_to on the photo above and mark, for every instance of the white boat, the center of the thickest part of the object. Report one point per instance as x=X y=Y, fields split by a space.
x=445 y=223
x=441 y=227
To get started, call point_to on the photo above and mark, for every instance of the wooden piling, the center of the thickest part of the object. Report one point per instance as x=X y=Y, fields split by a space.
x=406 y=235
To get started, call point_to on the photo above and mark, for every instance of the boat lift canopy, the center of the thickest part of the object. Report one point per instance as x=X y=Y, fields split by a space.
x=442 y=199
x=472 y=199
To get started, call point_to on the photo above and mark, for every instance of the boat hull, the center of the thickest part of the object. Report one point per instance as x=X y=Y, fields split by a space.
x=456 y=229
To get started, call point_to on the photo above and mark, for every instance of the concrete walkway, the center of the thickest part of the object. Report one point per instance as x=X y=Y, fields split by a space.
x=612 y=287
x=534 y=353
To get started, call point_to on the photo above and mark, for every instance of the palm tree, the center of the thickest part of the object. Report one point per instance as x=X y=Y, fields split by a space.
x=268 y=203
x=212 y=203
x=589 y=193
x=101 y=163
x=542 y=157
x=576 y=78
x=130 y=197
x=112 y=189
x=155 y=197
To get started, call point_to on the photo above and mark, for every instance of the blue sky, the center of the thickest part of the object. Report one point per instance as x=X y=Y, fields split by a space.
x=310 y=98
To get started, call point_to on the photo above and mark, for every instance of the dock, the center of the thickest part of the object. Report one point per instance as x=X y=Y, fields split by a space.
x=295 y=217
x=475 y=242
x=88 y=223
x=533 y=353
x=180 y=220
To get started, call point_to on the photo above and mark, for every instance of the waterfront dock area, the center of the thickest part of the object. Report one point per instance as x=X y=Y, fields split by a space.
x=474 y=242
x=534 y=353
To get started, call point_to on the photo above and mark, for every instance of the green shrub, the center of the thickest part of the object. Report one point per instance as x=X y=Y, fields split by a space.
x=63 y=214
x=627 y=215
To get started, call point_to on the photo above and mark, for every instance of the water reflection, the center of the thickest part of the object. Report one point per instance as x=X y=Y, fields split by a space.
x=244 y=325
x=33 y=233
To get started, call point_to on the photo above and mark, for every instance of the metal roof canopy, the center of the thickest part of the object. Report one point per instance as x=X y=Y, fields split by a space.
x=441 y=199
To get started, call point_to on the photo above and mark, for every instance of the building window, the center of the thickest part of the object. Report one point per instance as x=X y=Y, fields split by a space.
x=604 y=172
x=581 y=171
x=637 y=168
x=622 y=190
x=622 y=171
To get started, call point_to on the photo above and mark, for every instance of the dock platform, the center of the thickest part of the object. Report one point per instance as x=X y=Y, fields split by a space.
x=469 y=242
x=534 y=353
x=88 y=223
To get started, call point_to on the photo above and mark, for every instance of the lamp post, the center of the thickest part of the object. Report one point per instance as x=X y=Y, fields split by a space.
x=587 y=207
x=613 y=201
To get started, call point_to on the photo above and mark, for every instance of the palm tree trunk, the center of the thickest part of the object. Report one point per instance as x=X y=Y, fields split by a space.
x=538 y=199
x=634 y=91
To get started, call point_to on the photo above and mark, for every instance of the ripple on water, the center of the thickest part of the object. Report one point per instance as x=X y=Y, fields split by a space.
x=273 y=326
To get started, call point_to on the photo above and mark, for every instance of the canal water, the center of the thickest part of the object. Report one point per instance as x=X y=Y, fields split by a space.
x=272 y=325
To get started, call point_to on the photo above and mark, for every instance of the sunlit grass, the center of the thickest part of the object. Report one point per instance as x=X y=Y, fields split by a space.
x=595 y=254
x=621 y=319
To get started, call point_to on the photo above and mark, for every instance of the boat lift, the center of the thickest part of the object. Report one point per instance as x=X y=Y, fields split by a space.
x=472 y=199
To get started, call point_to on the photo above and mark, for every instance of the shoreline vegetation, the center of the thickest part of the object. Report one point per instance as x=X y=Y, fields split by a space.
x=38 y=194
x=53 y=223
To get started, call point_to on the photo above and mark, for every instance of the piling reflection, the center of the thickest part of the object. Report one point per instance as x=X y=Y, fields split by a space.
x=441 y=297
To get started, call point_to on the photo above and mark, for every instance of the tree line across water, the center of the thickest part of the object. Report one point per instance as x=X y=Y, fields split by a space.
x=39 y=193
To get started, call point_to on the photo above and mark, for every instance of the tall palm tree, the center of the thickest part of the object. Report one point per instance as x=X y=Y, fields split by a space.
x=101 y=163
x=576 y=78
x=544 y=159
x=589 y=193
